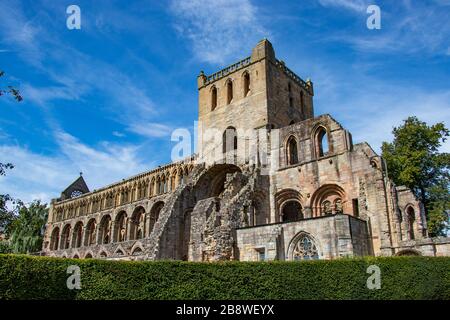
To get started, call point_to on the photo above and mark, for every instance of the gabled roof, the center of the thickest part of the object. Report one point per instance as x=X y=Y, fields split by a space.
x=78 y=186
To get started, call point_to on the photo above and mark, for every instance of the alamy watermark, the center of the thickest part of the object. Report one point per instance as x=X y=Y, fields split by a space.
x=374 y=280
x=74 y=19
x=74 y=280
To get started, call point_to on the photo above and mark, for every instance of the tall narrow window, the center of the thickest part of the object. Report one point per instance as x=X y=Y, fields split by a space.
x=213 y=98
x=292 y=151
x=246 y=83
x=411 y=218
x=229 y=140
x=302 y=102
x=322 y=148
x=229 y=91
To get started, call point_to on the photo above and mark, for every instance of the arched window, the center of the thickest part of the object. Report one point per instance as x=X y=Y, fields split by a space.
x=302 y=101
x=322 y=148
x=54 y=240
x=304 y=248
x=410 y=218
x=246 y=83
x=329 y=199
x=105 y=230
x=65 y=237
x=229 y=140
x=229 y=91
x=90 y=233
x=292 y=151
x=292 y=211
x=154 y=214
x=137 y=224
x=121 y=227
x=213 y=98
x=77 y=235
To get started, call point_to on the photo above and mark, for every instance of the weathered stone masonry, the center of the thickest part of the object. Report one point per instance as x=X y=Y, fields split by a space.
x=272 y=182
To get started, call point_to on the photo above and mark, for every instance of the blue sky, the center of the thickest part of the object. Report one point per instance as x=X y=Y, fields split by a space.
x=104 y=99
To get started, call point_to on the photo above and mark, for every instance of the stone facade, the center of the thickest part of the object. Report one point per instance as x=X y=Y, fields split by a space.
x=270 y=180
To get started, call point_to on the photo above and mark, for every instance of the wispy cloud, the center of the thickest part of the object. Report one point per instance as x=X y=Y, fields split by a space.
x=76 y=75
x=218 y=30
x=355 y=5
x=45 y=176
x=151 y=130
x=406 y=28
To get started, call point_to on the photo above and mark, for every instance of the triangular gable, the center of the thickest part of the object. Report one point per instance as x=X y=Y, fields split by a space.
x=77 y=188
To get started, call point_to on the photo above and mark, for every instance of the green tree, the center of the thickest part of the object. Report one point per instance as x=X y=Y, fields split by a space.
x=7 y=215
x=10 y=89
x=28 y=229
x=414 y=160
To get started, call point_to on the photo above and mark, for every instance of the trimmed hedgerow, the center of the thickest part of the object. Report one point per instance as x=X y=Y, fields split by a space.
x=27 y=277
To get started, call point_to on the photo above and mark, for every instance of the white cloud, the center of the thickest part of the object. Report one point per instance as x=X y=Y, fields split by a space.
x=355 y=5
x=151 y=130
x=406 y=29
x=219 y=30
x=38 y=176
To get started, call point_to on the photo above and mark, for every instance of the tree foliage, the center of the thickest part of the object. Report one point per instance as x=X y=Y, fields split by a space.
x=28 y=229
x=8 y=206
x=414 y=160
x=10 y=90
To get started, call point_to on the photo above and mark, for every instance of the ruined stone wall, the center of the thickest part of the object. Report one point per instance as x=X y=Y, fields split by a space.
x=334 y=236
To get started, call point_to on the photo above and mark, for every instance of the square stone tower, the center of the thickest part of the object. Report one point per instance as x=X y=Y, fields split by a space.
x=256 y=92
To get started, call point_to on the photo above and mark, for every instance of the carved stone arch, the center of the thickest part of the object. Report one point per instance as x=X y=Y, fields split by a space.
x=137 y=223
x=120 y=251
x=410 y=217
x=408 y=252
x=303 y=246
x=77 y=234
x=64 y=255
x=65 y=236
x=88 y=255
x=291 y=147
x=120 y=226
x=105 y=229
x=325 y=198
x=320 y=134
x=137 y=247
x=90 y=233
x=154 y=215
x=283 y=197
x=55 y=238
x=257 y=211
x=103 y=253
x=76 y=255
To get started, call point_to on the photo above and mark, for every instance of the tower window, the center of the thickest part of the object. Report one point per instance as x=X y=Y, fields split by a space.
x=302 y=101
x=213 y=98
x=292 y=153
x=229 y=91
x=229 y=140
x=246 y=83
x=322 y=147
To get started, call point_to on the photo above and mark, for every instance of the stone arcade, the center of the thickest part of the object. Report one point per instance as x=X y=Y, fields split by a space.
x=305 y=191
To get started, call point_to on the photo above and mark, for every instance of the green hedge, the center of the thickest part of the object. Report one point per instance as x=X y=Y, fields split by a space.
x=26 y=277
